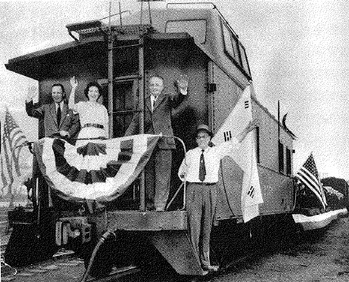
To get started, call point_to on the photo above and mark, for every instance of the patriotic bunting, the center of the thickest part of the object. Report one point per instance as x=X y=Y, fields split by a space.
x=97 y=171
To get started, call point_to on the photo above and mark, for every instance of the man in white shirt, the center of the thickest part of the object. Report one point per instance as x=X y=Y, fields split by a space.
x=200 y=169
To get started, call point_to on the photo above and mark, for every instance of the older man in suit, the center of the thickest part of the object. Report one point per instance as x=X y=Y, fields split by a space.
x=59 y=121
x=157 y=119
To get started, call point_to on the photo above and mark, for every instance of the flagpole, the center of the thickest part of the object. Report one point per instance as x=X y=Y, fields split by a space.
x=279 y=121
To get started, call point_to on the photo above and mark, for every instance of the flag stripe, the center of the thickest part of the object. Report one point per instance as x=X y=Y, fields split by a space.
x=311 y=185
x=306 y=175
x=7 y=160
x=309 y=176
x=12 y=138
x=3 y=178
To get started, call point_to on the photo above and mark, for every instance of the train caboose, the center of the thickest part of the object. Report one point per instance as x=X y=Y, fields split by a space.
x=172 y=41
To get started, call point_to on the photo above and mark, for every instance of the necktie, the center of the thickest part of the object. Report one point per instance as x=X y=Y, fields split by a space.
x=202 y=168
x=153 y=103
x=58 y=114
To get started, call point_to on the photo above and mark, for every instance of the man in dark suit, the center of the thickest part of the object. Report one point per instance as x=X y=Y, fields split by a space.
x=58 y=119
x=157 y=120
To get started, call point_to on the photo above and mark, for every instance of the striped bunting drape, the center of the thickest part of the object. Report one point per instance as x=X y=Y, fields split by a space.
x=97 y=171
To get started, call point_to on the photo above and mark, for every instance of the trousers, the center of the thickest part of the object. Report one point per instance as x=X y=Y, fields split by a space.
x=200 y=205
x=158 y=178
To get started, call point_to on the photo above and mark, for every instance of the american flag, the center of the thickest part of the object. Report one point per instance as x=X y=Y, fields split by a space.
x=309 y=176
x=12 y=139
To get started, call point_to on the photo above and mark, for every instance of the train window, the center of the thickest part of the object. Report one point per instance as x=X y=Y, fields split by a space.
x=244 y=60
x=231 y=44
x=234 y=49
x=281 y=157
x=196 y=28
x=288 y=161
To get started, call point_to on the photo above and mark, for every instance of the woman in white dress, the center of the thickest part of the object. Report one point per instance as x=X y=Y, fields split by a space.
x=94 y=169
x=93 y=115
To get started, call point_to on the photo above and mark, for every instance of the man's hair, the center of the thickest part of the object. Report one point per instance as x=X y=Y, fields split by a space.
x=90 y=84
x=60 y=85
x=158 y=76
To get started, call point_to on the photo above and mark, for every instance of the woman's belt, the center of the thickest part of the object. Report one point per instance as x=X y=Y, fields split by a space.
x=93 y=125
x=203 y=183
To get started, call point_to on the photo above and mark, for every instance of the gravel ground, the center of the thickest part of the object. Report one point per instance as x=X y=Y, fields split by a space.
x=313 y=257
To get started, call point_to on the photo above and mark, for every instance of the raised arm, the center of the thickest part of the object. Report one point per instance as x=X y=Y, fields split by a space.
x=106 y=122
x=181 y=85
x=252 y=125
x=74 y=84
x=31 y=93
x=31 y=109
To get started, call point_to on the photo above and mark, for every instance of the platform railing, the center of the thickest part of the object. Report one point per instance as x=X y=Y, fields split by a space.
x=184 y=183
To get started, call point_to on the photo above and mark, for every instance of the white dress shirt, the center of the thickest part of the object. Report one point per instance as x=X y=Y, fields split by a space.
x=59 y=105
x=212 y=156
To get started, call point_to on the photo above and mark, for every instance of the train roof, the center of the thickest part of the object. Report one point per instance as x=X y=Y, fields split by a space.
x=206 y=27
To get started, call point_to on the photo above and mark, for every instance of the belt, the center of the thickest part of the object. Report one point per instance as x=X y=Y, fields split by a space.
x=203 y=183
x=93 y=125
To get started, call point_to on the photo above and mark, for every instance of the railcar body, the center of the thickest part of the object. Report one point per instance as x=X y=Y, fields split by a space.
x=201 y=44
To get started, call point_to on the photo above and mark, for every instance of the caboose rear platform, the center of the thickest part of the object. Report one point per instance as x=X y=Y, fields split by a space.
x=201 y=44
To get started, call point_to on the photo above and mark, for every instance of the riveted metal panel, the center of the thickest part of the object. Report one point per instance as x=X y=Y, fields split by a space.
x=177 y=249
x=147 y=221
x=224 y=98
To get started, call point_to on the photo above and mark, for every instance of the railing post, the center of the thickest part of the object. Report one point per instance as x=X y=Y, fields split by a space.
x=141 y=84
x=110 y=76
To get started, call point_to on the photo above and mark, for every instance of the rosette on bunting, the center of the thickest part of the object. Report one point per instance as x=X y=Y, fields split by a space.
x=96 y=171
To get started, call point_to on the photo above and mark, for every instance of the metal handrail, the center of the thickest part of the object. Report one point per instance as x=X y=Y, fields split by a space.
x=184 y=182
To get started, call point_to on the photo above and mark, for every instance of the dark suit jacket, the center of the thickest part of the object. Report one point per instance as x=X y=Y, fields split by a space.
x=158 y=121
x=69 y=121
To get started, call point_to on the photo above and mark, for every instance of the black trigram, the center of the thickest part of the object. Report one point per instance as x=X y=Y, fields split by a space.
x=247 y=104
x=251 y=192
x=227 y=135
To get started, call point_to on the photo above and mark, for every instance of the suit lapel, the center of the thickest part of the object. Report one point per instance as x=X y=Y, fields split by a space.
x=53 y=113
x=64 y=113
x=148 y=102
x=159 y=100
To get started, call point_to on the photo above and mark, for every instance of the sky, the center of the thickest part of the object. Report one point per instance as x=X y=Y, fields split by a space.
x=298 y=53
